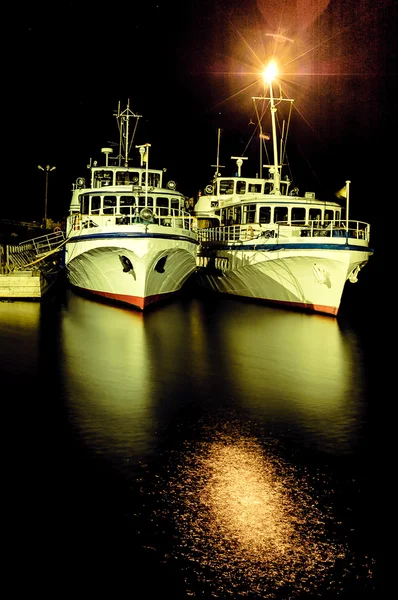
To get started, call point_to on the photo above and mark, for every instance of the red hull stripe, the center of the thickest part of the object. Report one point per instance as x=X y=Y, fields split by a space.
x=136 y=301
x=328 y=310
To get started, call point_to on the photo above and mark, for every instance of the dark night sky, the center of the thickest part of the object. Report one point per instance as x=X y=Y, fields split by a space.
x=70 y=63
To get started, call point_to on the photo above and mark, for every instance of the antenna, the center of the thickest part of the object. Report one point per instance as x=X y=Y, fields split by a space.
x=123 y=119
x=106 y=151
x=218 y=166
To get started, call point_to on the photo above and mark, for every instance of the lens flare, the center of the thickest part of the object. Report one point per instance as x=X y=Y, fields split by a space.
x=270 y=72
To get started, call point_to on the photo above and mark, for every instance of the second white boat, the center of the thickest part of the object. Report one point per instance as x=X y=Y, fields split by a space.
x=260 y=239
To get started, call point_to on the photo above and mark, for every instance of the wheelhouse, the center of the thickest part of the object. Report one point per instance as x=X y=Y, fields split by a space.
x=129 y=204
x=111 y=176
x=270 y=213
x=228 y=186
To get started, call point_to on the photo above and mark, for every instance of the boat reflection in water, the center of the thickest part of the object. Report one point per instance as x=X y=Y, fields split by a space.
x=224 y=421
x=107 y=378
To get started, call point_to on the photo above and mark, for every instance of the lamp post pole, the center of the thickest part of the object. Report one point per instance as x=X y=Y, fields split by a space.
x=47 y=169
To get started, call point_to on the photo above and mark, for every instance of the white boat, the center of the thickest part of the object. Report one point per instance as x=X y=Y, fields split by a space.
x=260 y=239
x=129 y=237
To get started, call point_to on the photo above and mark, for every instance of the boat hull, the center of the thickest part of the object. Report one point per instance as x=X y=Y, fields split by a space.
x=311 y=280
x=138 y=267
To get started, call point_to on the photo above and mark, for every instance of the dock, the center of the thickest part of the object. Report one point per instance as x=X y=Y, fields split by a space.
x=30 y=269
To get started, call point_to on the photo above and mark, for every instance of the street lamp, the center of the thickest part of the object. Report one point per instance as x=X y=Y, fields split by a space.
x=47 y=170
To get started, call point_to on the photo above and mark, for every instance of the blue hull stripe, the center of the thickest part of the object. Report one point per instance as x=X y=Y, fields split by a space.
x=109 y=236
x=295 y=246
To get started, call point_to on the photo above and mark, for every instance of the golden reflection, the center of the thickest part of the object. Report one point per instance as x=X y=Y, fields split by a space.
x=107 y=376
x=17 y=317
x=250 y=523
x=20 y=336
x=284 y=366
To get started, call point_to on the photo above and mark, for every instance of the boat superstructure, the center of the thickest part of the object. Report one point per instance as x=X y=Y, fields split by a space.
x=129 y=237
x=261 y=239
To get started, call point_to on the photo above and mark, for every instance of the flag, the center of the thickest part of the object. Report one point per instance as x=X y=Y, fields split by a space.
x=342 y=193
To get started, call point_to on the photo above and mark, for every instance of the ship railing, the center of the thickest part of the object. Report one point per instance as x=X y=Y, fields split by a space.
x=341 y=229
x=45 y=243
x=174 y=217
x=353 y=230
x=32 y=254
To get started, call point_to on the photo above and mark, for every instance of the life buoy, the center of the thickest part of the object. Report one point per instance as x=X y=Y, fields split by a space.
x=209 y=189
x=250 y=232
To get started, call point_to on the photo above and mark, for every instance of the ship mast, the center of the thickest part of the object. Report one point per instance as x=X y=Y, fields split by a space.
x=277 y=174
x=217 y=165
x=275 y=168
x=123 y=121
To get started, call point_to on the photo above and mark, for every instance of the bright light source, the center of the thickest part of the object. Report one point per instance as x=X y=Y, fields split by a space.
x=270 y=72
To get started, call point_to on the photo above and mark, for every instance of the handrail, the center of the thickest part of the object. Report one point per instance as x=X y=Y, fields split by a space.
x=175 y=217
x=285 y=230
x=45 y=243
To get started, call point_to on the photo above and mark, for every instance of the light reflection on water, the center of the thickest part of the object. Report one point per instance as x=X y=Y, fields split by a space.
x=250 y=524
x=125 y=375
x=107 y=377
x=199 y=409
x=197 y=397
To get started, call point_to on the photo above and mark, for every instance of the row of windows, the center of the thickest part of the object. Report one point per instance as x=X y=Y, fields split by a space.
x=240 y=186
x=127 y=205
x=106 y=177
x=268 y=214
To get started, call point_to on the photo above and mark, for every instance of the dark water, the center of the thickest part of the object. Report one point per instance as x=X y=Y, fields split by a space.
x=211 y=448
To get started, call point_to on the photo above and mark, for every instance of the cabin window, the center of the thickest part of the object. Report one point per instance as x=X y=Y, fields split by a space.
x=175 y=203
x=84 y=204
x=162 y=205
x=109 y=205
x=102 y=178
x=241 y=187
x=95 y=204
x=328 y=217
x=127 y=177
x=298 y=215
x=153 y=179
x=281 y=213
x=121 y=177
x=249 y=213
x=265 y=214
x=127 y=210
x=229 y=216
x=127 y=205
x=143 y=201
x=315 y=214
x=237 y=215
x=127 y=201
x=255 y=188
x=227 y=186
